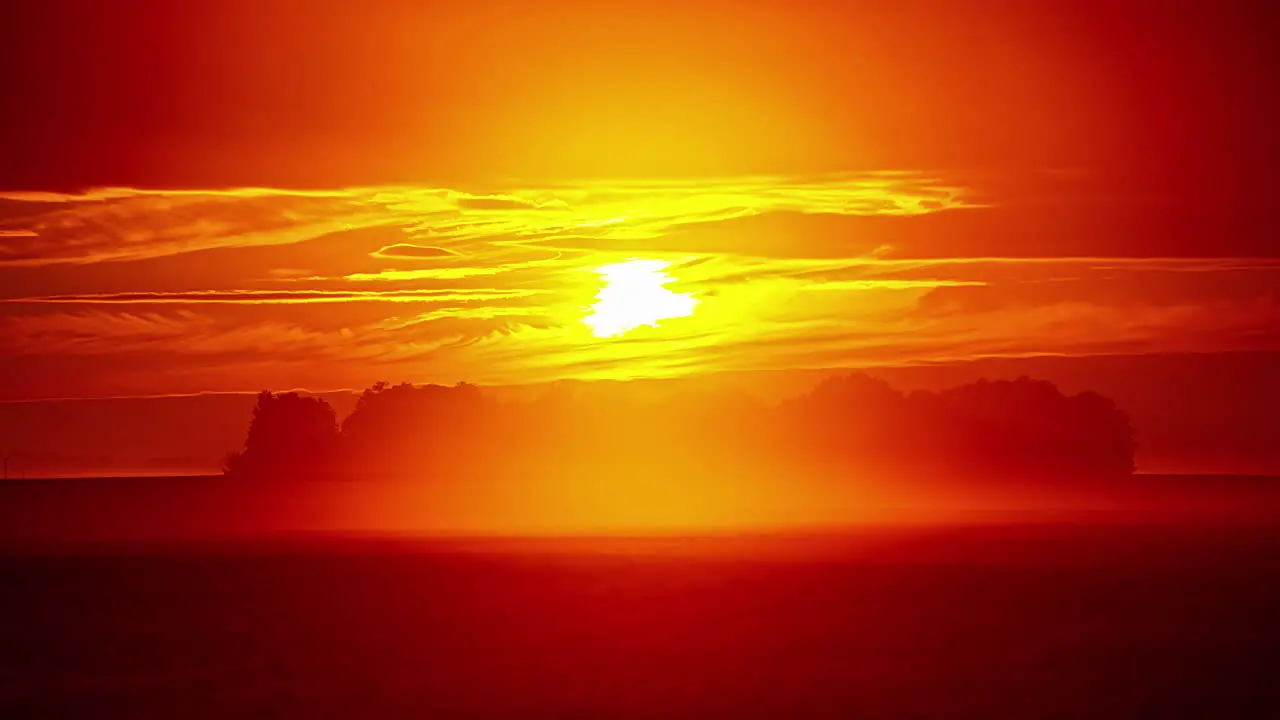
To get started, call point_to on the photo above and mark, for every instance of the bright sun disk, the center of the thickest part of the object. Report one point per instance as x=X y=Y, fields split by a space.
x=635 y=294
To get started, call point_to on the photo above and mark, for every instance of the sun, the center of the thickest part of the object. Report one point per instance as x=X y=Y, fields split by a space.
x=635 y=294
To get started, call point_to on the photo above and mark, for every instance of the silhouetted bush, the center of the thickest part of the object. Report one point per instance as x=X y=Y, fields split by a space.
x=1000 y=428
x=1012 y=430
x=407 y=428
x=290 y=436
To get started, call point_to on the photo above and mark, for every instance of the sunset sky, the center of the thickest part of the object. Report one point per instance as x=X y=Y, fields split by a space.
x=232 y=196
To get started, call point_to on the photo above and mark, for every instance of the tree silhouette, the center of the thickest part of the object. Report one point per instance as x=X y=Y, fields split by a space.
x=409 y=428
x=290 y=436
x=1009 y=431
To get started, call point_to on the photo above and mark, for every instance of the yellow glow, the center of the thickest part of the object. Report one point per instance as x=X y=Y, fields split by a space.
x=635 y=294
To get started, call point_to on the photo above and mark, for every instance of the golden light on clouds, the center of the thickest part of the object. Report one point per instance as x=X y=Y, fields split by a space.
x=526 y=283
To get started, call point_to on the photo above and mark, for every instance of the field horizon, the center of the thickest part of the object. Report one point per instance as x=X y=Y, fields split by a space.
x=73 y=511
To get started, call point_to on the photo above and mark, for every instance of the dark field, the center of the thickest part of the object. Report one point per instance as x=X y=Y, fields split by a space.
x=996 y=622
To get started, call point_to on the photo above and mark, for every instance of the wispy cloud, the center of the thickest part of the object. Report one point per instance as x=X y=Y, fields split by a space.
x=268 y=297
x=438 y=284
x=95 y=332
x=120 y=224
x=409 y=251
x=136 y=227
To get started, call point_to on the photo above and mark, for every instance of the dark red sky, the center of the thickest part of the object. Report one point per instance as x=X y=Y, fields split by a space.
x=839 y=184
x=322 y=93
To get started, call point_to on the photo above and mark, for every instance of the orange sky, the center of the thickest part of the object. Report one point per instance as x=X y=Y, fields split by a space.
x=243 y=195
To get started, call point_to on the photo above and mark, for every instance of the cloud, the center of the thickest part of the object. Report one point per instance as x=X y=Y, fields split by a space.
x=96 y=332
x=265 y=297
x=119 y=193
x=138 y=225
x=124 y=224
x=499 y=202
x=287 y=273
x=771 y=323
x=445 y=273
x=877 y=338
x=159 y=337
x=494 y=265
x=436 y=284
x=408 y=251
x=458 y=313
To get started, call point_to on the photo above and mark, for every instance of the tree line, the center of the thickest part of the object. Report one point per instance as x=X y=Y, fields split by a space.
x=1022 y=428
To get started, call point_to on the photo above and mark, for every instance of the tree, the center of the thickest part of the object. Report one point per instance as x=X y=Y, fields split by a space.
x=290 y=436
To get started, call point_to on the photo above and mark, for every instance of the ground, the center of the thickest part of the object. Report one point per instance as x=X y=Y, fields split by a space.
x=1060 y=620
